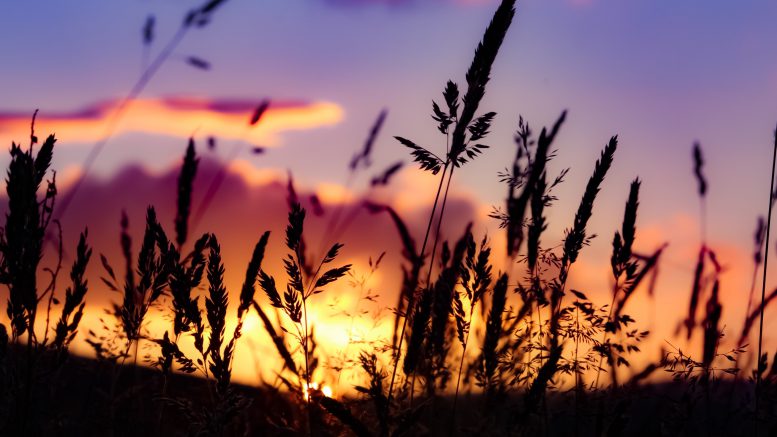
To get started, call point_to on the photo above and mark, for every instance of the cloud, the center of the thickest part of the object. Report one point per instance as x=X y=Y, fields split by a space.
x=368 y=2
x=581 y=3
x=177 y=116
x=360 y=3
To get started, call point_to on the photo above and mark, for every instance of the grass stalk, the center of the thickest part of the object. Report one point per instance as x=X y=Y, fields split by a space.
x=763 y=288
x=398 y=349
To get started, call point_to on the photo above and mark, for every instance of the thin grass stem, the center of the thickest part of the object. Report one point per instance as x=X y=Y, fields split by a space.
x=763 y=288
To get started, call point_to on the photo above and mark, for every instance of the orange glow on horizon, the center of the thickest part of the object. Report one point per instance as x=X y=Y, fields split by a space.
x=345 y=323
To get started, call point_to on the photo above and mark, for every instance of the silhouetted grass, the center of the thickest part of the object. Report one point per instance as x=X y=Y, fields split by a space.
x=530 y=353
x=21 y=249
x=458 y=143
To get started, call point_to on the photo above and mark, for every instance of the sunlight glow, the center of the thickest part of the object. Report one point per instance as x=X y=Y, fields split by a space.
x=314 y=387
x=251 y=322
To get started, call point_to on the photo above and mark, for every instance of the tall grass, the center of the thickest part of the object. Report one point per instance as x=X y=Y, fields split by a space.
x=531 y=353
x=763 y=287
x=461 y=143
x=27 y=220
x=303 y=283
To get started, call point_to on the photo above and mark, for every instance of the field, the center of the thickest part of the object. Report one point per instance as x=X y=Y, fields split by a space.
x=486 y=334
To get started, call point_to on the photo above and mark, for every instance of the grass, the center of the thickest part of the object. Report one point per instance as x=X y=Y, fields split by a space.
x=472 y=350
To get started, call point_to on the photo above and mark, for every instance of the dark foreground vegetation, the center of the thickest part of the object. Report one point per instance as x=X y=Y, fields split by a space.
x=70 y=405
x=544 y=362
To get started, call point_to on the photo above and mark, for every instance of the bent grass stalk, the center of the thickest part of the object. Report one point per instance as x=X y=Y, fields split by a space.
x=763 y=287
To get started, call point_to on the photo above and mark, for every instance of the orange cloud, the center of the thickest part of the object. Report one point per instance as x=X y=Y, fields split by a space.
x=178 y=116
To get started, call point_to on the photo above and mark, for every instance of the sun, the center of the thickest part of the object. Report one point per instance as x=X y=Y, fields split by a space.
x=251 y=322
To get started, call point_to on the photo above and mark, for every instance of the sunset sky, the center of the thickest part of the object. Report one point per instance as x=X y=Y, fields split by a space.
x=660 y=75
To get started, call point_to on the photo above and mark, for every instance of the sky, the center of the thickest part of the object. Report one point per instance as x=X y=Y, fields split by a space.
x=660 y=75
